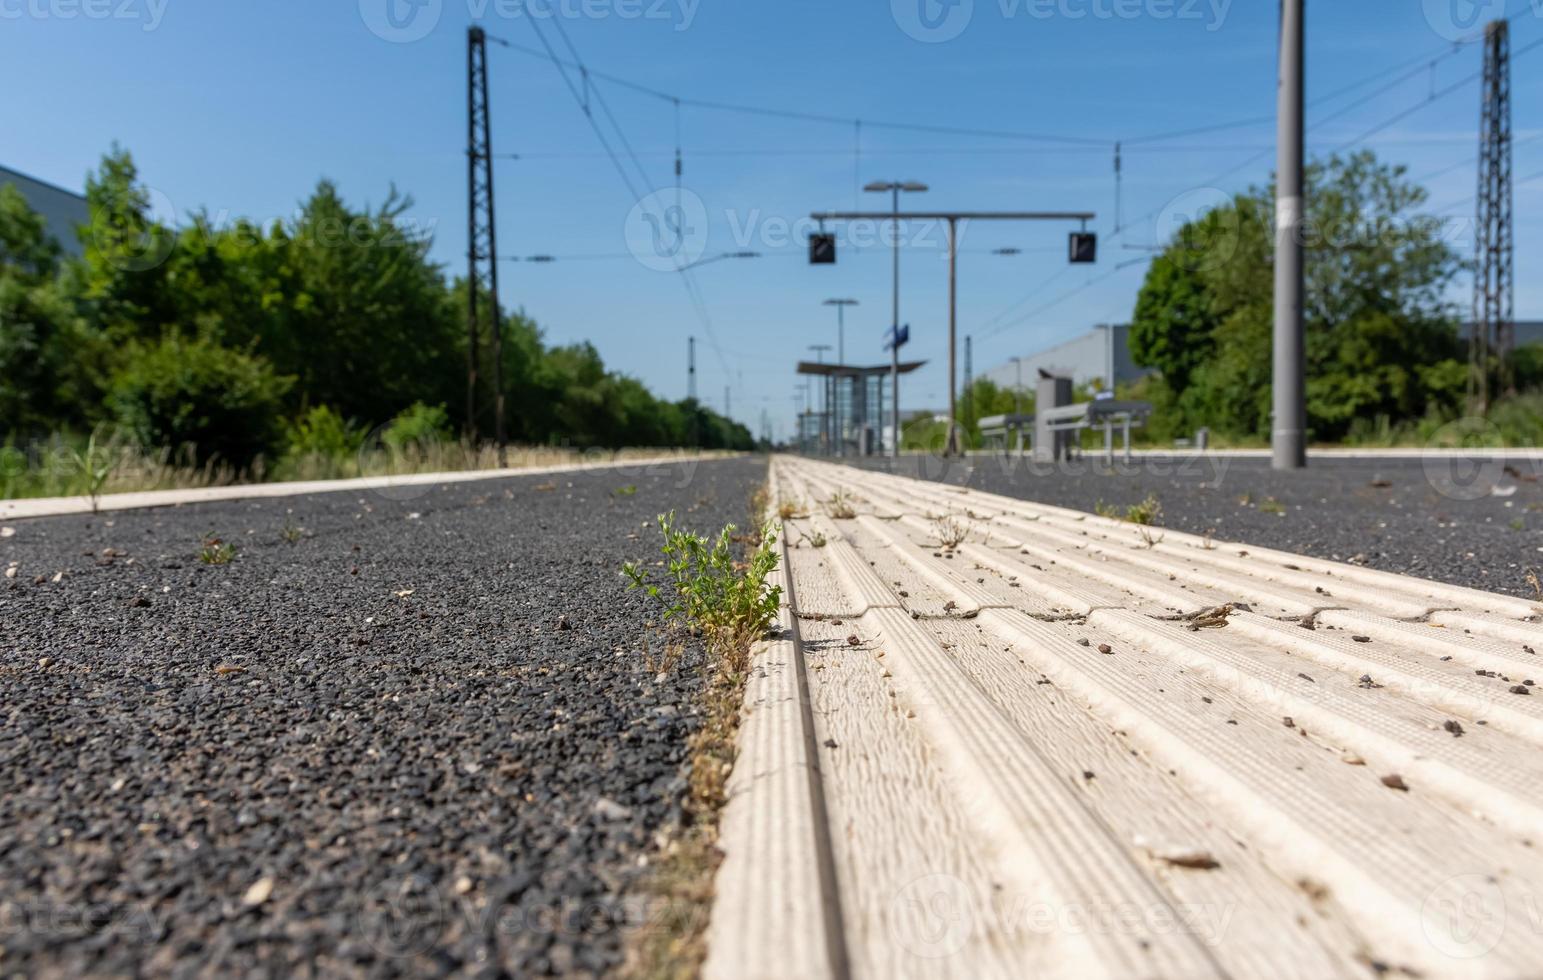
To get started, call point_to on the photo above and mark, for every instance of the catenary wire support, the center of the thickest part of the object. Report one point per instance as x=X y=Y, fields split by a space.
x=1491 y=335
x=679 y=166
x=1118 y=187
x=483 y=315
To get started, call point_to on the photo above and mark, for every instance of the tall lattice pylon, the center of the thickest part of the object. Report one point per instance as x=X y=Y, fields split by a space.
x=1493 y=330
x=482 y=313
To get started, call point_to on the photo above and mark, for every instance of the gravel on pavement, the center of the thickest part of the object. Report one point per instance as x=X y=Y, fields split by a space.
x=403 y=732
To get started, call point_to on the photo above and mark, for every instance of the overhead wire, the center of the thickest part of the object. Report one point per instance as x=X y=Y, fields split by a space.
x=1404 y=72
x=581 y=98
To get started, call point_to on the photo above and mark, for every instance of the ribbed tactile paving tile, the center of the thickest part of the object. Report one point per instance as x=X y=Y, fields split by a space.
x=1039 y=748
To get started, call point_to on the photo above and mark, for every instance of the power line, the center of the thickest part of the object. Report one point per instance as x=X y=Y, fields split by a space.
x=1427 y=64
x=1442 y=93
x=870 y=152
x=1063 y=270
x=1098 y=143
x=1473 y=197
x=1341 y=147
x=693 y=290
x=1096 y=280
x=1468 y=161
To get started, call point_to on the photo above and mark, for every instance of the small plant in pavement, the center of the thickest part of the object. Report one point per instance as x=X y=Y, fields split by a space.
x=213 y=551
x=94 y=467
x=1273 y=506
x=788 y=510
x=729 y=602
x=626 y=491
x=841 y=507
x=1148 y=512
x=291 y=532
x=950 y=530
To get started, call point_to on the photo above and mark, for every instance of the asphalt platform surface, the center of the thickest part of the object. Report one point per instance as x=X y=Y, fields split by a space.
x=1473 y=522
x=420 y=739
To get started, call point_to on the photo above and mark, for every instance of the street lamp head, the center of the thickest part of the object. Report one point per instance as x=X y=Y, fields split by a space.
x=885 y=186
x=840 y=302
x=1010 y=250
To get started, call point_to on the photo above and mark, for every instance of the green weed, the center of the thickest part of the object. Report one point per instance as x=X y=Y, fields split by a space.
x=93 y=467
x=1148 y=512
x=728 y=602
x=841 y=507
x=951 y=531
x=213 y=551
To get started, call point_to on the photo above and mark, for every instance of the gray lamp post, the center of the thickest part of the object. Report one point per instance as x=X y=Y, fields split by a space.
x=841 y=360
x=895 y=188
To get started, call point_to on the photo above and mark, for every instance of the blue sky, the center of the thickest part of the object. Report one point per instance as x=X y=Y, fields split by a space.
x=241 y=107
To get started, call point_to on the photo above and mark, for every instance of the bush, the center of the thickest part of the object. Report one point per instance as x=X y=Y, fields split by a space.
x=181 y=392
x=1527 y=363
x=323 y=432
x=1519 y=419
x=417 y=428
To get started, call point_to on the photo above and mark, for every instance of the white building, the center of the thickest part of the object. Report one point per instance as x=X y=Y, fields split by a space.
x=62 y=210
x=1102 y=354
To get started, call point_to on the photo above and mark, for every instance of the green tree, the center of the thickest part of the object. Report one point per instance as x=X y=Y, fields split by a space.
x=193 y=395
x=1380 y=337
x=34 y=374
